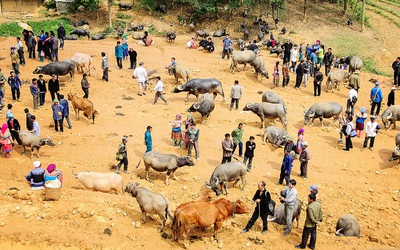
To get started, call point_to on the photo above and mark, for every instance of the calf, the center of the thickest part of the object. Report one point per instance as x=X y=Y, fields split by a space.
x=82 y=61
x=179 y=72
x=280 y=215
x=170 y=36
x=83 y=104
x=103 y=182
x=33 y=141
x=336 y=77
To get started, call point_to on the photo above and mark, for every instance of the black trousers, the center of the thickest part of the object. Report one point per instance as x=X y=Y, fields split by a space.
x=105 y=74
x=284 y=176
x=53 y=95
x=286 y=57
x=21 y=57
x=59 y=122
x=317 y=89
x=285 y=81
x=15 y=136
x=371 y=143
x=125 y=162
x=349 y=144
x=397 y=79
x=31 y=51
x=254 y=217
x=119 y=62
x=378 y=108
x=42 y=98
x=86 y=91
x=327 y=69
x=233 y=100
x=226 y=159
x=299 y=79
x=15 y=93
x=306 y=233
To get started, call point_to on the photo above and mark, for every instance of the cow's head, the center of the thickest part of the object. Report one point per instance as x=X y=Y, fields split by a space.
x=395 y=154
x=345 y=59
x=37 y=70
x=281 y=139
x=47 y=141
x=70 y=96
x=308 y=115
x=247 y=107
x=177 y=89
x=131 y=188
x=241 y=208
x=214 y=181
x=264 y=73
x=194 y=107
x=171 y=69
x=387 y=120
x=185 y=161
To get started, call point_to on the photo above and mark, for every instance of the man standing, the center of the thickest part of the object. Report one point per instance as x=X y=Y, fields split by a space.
x=104 y=66
x=314 y=215
x=20 y=50
x=148 y=141
x=65 y=112
x=355 y=80
x=307 y=70
x=236 y=94
x=318 y=77
x=227 y=149
x=35 y=126
x=42 y=90
x=193 y=135
x=370 y=133
x=286 y=168
x=31 y=44
x=286 y=50
x=328 y=60
x=289 y=146
x=314 y=190
x=54 y=86
x=249 y=152
x=376 y=99
x=54 y=47
x=132 y=58
x=140 y=74
x=299 y=74
x=119 y=53
x=61 y=35
x=122 y=155
x=351 y=100
x=35 y=93
x=293 y=58
x=289 y=201
x=349 y=128
x=390 y=97
x=262 y=198
x=285 y=74
x=396 y=72
x=15 y=83
x=57 y=115
x=159 y=88
x=304 y=158
x=28 y=116
x=237 y=136
x=2 y=84
x=227 y=49
x=85 y=86
x=14 y=60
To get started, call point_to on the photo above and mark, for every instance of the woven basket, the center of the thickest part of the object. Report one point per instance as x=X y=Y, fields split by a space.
x=51 y=194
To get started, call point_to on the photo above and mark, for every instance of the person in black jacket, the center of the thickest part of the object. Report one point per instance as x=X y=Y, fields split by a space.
x=249 y=152
x=262 y=198
x=286 y=50
x=42 y=90
x=14 y=127
x=299 y=74
x=318 y=77
x=54 y=87
x=61 y=35
x=391 y=97
x=396 y=71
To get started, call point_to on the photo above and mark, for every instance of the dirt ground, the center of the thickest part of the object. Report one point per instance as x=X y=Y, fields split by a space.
x=360 y=183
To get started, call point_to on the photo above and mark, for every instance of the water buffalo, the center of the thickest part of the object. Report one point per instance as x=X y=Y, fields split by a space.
x=198 y=86
x=278 y=51
x=34 y=142
x=103 y=182
x=202 y=33
x=80 y=32
x=83 y=104
x=280 y=215
x=219 y=33
x=59 y=68
x=354 y=62
x=170 y=36
x=150 y=202
x=81 y=23
x=161 y=8
x=137 y=35
x=82 y=61
x=336 y=77
x=125 y=6
x=259 y=67
x=165 y=162
x=275 y=135
x=99 y=37
x=396 y=151
x=242 y=57
x=246 y=35
x=390 y=116
x=268 y=110
x=348 y=225
x=135 y=27
x=323 y=110
x=271 y=97
x=227 y=172
x=204 y=107
x=179 y=72
x=70 y=38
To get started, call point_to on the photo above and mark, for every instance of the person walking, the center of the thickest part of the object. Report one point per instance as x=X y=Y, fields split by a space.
x=193 y=134
x=57 y=115
x=249 y=152
x=286 y=167
x=148 y=141
x=85 y=86
x=227 y=46
x=262 y=198
x=176 y=133
x=304 y=158
x=360 y=120
x=318 y=78
x=159 y=88
x=289 y=201
x=132 y=58
x=54 y=86
x=314 y=215
x=227 y=149
x=31 y=44
x=390 y=97
x=275 y=75
x=355 y=80
x=293 y=58
x=351 y=100
x=396 y=72
x=286 y=75
x=122 y=155
x=376 y=98
x=35 y=126
x=328 y=60
x=65 y=112
x=300 y=140
x=42 y=90
x=34 y=88
x=140 y=74
x=104 y=66
x=299 y=74
x=236 y=94
x=119 y=52
x=349 y=128
x=371 y=130
x=54 y=47
x=307 y=70
x=61 y=35
x=15 y=83
x=20 y=50
x=14 y=60
x=237 y=136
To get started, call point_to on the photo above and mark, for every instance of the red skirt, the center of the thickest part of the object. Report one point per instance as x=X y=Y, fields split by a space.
x=359 y=126
x=7 y=148
x=176 y=135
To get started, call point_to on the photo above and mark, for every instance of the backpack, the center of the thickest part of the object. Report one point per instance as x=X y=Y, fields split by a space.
x=271 y=205
x=354 y=99
x=353 y=132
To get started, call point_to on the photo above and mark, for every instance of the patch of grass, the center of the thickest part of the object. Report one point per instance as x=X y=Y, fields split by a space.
x=371 y=66
x=12 y=29
x=393 y=12
x=391 y=2
x=152 y=29
x=122 y=16
x=109 y=29
x=117 y=23
x=382 y=13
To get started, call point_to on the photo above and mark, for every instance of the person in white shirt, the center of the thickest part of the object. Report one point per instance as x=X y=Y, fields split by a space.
x=140 y=74
x=35 y=126
x=370 y=132
x=351 y=101
x=293 y=58
x=159 y=91
x=349 y=128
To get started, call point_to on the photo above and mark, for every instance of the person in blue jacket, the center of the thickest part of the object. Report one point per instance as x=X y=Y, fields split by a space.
x=147 y=139
x=119 y=53
x=376 y=98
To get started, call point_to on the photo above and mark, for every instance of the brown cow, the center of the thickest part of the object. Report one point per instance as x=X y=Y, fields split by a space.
x=204 y=214
x=83 y=104
x=204 y=197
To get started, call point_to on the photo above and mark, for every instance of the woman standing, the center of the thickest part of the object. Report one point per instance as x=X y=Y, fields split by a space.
x=176 y=134
x=300 y=140
x=360 y=121
x=6 y=140
x=188 y=121
x=276 y=74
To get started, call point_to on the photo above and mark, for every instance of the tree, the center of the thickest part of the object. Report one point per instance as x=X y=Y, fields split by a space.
x=305 y=11
x=363 y=16
x=110 y=2
x=345 y=3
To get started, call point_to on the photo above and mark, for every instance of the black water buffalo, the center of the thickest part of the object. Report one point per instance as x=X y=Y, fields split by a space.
x=205 y=106
x=59 y=68
x=125 y=6
x=99 y=37
x=198 y=86
x=81 y=23
x=80 y=32
x=170 y=36
x=278 y=51
x=161 y=8
x=70 y=38
x=354 y=62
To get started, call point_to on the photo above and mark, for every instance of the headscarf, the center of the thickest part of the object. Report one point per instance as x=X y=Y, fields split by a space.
x=51 y=167
x=300 y=131
x=4 y=128
x=179 y=116
x=189 y=116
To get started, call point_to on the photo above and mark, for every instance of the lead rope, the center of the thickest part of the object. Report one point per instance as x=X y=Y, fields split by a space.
x=233 y=209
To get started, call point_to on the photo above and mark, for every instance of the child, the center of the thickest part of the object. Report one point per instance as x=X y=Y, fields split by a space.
x=9 y=112
x=41 y=56
x=361 y=117
x=300 y=140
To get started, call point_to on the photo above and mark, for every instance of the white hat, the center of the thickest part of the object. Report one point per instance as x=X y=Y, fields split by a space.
x=305 y=144
x=37 y=164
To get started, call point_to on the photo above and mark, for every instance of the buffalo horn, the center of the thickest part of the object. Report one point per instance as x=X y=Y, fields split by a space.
x=207 y=185
x=311 y=114
x=390 y=116
x=196 y=106
x=179 y=87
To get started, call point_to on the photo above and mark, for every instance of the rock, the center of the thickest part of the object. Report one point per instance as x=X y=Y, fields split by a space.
x=81 y=8
x=118 y=107
x=133 y=223
x=164 y=235
x=17 y=208
x=370 y=190
x=377 y=172
x=107 y=231
x=120 y=114
x=2 y=223
x=138 y=224
x=220 y=245
x=184 y=188
x=373 y=238
x=247 y=244
x=27 y=216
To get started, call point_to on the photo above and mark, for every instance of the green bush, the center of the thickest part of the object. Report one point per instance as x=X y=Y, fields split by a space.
x=122 y=16
x=91 y=5
x=51 y=4
x=12 y=29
